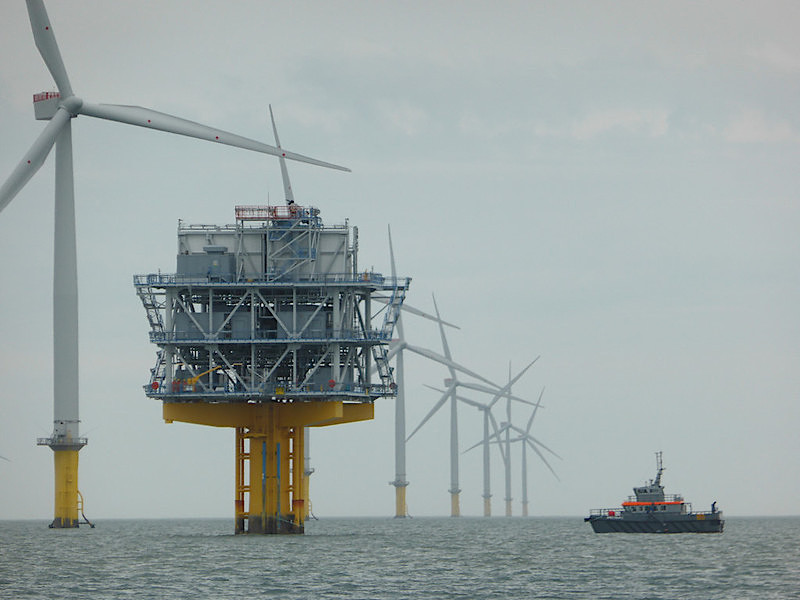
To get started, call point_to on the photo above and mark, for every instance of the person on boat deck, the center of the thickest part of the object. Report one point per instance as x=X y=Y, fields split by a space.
x=714 y=506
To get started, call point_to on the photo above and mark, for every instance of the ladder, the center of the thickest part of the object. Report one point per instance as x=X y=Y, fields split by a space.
x=380 y=352
x=154 y=308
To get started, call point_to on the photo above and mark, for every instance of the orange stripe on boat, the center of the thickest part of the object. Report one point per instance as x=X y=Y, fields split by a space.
x=651 y=503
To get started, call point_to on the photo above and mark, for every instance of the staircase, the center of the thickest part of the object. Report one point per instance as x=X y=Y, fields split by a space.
x=381 y=351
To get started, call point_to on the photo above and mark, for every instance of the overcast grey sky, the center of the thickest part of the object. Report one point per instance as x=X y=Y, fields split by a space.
x=613 y=186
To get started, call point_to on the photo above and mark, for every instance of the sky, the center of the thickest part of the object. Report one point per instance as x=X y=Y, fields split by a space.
x=612 y=186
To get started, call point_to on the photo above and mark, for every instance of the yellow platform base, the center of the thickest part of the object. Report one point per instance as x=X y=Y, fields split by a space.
x=271 y=495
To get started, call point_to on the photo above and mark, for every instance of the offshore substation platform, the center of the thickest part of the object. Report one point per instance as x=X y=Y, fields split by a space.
x=267 y=327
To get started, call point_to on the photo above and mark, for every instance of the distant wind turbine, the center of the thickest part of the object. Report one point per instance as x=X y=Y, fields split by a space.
x=400 y=479
x=488 y=419
x=524 y=436
x=526 y=439
x=450 y=394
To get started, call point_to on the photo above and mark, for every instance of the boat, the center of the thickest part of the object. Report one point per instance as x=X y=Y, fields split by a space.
x=650 y=510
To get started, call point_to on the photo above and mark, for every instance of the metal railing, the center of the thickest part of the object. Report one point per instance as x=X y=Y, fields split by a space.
x=667 y=498
x=271 y=279
x=67 y=442
x=268 y=391
x=269 y=336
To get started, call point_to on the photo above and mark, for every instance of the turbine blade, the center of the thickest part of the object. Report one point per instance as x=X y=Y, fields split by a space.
x=399 y=322
x=434 y=388
x=493 y=391
x=46 y=44
x=287 y=186
x=533 y=415
x=445 y=347
x=394 y=348
x=496 y=430
x=34 y=158
x=415 y=311
x=391 y=252
x=471 y=402
x=534 y=440
x=521 y=373
x=151 y=119
x=475 y=445
x=501 y=393
x=436 y=407
x=544 y=460
x=446 y=362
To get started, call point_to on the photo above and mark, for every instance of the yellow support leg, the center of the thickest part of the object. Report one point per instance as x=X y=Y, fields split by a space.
x=66 y=489
x=271 y=495
x=242 y=480
x=487 y=507
x=299 y=488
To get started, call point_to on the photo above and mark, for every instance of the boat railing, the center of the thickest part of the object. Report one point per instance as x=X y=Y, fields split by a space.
x=667 y=498
x=607 y=512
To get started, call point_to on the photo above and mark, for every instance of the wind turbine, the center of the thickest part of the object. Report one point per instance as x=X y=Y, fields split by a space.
x=526 y=439
x=400 y=482
x=450 y=394
x=59 y=109
x=488 y=418
x=524 y=436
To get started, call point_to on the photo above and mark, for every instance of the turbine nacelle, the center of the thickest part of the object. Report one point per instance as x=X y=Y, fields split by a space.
x=46 y=104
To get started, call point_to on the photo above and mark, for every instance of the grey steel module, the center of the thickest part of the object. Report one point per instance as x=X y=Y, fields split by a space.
x=652 y=511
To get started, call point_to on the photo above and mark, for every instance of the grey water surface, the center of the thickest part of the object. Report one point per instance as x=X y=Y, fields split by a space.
x=436 y=558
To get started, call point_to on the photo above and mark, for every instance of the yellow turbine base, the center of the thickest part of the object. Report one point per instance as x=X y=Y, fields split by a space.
x=400 y=508
x=66 y=489
x=487 y=507
x=508 y=508
x=455 y=507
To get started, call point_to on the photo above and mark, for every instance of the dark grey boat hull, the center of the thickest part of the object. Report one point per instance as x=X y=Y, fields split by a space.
x=650 y=524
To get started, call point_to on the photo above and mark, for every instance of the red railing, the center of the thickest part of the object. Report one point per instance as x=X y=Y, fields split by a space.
x=45 y=96
x=269 y=213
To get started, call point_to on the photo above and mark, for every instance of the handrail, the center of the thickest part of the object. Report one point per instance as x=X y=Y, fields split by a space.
x=178 y=387
x=270 y=336
x=271 y=279
x=667 y=498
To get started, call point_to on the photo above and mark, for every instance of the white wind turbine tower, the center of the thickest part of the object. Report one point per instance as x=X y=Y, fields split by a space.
x=400 y=345
x=59 y=109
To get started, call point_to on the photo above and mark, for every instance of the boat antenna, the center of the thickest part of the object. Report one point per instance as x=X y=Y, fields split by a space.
x=660 y=468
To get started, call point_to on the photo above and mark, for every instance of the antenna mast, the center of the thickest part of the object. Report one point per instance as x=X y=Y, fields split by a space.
x=660 y=468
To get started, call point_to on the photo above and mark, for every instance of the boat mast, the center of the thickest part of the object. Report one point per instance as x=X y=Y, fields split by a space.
x=660 y=468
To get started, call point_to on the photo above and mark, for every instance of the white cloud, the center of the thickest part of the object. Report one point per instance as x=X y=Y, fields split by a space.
x=404 y=117
x=776 y=57
x=649 y=122
x=751 y=126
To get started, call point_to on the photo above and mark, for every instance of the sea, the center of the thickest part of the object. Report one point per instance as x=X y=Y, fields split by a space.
x=385 y=558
